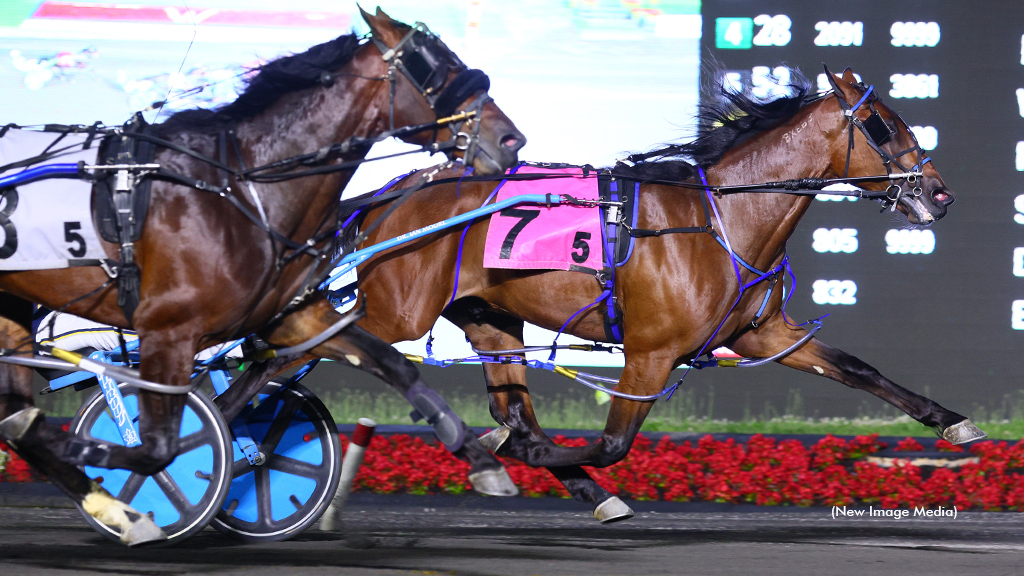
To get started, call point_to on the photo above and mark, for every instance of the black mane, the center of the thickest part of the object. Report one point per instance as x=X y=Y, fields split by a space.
x=725 y=122
x=272 y=81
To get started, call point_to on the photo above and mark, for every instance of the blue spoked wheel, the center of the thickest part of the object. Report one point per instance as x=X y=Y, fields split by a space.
x=185 y=496
x=295 y=484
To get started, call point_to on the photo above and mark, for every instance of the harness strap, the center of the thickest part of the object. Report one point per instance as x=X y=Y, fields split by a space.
x=129 y=276
x=643 y=233
x=707 y=228
x=462 y=239
x=201 y=185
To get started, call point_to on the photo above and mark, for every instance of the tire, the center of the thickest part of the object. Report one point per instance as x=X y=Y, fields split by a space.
x=294 y=486
x=185 y=496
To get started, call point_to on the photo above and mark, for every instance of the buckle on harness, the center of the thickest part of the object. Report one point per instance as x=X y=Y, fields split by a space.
x=108 y=267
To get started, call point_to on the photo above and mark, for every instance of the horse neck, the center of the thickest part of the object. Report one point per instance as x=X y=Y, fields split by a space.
x=759 y=225
x=308 y=120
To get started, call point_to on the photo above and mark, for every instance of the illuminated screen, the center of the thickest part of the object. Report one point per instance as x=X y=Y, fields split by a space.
x=939 y=308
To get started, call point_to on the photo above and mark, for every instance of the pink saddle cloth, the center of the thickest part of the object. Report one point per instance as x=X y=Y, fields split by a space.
x=535 y=237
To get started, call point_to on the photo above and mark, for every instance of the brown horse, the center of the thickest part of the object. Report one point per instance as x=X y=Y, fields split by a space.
x=211 y=274
x=677 y=291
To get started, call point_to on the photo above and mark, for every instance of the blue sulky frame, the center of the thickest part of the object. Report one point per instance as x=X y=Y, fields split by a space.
x=220 y=377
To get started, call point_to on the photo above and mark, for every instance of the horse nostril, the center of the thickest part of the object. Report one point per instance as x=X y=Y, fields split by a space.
x=512 y=141
x=942 y=197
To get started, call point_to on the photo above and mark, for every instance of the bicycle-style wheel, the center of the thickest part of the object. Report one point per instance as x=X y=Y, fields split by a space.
x=294 y=485
x=186 y=495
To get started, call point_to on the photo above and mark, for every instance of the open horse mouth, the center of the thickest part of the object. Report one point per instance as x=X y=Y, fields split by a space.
x=924 y=213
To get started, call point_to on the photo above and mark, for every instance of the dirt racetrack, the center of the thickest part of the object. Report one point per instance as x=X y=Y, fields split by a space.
x=469 y=535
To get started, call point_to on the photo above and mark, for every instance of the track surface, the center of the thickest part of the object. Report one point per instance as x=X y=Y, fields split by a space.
x=476 y=536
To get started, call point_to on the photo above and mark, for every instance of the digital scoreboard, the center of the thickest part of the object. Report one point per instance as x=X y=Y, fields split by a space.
x=942 y=306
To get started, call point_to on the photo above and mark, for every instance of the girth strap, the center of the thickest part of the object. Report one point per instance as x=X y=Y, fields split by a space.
x=618 y=211
x=128 y=222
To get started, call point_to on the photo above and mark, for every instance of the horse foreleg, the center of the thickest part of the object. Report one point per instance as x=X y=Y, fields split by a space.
x=24 y=428
x=816 y=357
x=166 y=358
x=358 y=348
x=510 y=406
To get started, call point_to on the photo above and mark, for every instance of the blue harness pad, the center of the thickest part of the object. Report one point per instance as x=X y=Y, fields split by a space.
x=619 y=216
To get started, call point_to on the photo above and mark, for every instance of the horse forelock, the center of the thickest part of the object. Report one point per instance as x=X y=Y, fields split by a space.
x=271 y=81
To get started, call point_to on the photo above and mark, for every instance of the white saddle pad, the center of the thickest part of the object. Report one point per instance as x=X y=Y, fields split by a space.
x=48 y=223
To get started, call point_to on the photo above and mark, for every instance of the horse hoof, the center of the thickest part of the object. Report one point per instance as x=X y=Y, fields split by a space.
x=14 y=427
x=142 y=531
x=963 y=432
x=493 y=483
x=612 y=510
x=496 y=438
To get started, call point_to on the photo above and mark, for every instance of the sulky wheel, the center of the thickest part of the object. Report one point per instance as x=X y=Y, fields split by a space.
x=294 y=485
x=186 y=495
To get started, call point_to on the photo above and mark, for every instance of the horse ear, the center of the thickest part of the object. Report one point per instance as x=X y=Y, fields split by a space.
x=381 y=25
x=367 y=17
x=843 y=86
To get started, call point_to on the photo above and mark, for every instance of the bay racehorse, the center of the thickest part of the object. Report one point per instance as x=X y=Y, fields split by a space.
x=211 y=272
x=679 y=293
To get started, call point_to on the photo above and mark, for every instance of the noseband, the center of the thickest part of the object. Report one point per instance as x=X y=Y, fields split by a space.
x=877 y=133
x=427 y=73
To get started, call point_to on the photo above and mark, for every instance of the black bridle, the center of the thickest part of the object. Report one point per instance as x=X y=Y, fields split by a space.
x=877 y=133
x=425 y=62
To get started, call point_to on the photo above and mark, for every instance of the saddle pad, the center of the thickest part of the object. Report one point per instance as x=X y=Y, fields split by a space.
x=48 y=223
x=535 y=237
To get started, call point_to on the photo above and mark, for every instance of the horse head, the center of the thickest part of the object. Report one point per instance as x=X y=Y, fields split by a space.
x=432 y=83
x=883 y=141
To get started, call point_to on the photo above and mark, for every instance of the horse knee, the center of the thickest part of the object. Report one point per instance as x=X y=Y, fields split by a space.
x=611 y=451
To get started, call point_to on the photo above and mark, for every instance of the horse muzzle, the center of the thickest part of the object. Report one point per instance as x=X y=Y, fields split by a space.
x=929 y=206
x=496 y=157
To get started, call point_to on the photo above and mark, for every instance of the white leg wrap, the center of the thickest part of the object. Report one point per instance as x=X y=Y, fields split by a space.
x=136 y=528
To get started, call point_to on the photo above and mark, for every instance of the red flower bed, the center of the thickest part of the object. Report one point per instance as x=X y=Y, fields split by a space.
x=14 y=469
x=762 y=471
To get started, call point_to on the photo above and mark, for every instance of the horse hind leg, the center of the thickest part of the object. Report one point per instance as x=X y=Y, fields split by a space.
x=819 y=358
x=511 y=407
x=24 y=428
x=356 y=347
